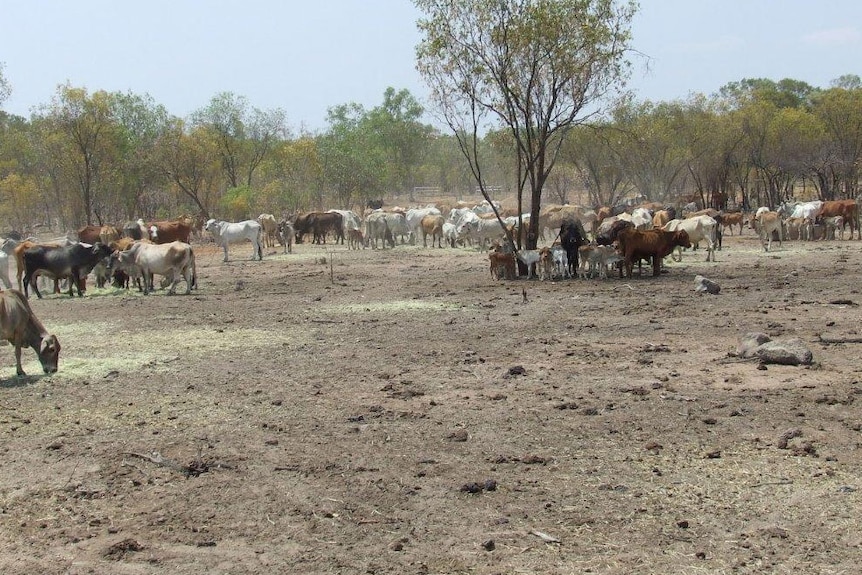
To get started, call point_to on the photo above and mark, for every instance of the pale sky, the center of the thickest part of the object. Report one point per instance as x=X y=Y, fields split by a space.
x=305 y=57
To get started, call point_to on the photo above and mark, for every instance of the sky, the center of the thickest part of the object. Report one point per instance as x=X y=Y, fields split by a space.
x=305 y=57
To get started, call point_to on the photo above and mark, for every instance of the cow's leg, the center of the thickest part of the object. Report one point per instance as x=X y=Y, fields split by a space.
x=224 y=247
x=18 y=369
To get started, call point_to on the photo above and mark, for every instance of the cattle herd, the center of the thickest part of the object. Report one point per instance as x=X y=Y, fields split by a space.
x=583 y=243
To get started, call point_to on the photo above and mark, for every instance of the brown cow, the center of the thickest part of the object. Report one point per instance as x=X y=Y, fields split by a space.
x=636 y=245
x=167 y=231
x=432 y=225
x=89 y=234
x=502 y=265
x=108 y=234
x=730 y=219
x=20 y=327
x=847 y=209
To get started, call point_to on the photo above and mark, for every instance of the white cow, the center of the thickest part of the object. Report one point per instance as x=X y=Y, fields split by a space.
x=4 y=269
x=450 y=234
x=226 y=233
x=414 y=220
x=174 y=260
x=699 y=228
x=349 y=221
x=480 y=230
x=377 y=228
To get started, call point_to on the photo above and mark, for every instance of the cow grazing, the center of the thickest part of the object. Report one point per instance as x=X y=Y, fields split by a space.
x=635 y=245
x=572 y=236
x=378 y=226
x=270 y=229
x=226 y=233
x=21 y=327
x=699 y=228
x=349 y=221
x=432 y=225
x=73 y=262
x=174 y=260
x=167 y=231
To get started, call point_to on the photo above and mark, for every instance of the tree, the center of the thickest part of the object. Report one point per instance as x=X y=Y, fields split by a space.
x=5 y=86
x=85 y=144
x=532 y=66
x=840 y=110
x=244 y=136
x=190 y=162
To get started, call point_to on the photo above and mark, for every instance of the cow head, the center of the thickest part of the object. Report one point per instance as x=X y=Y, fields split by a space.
x=154 y=233
x=49 y=353
x=680 y=238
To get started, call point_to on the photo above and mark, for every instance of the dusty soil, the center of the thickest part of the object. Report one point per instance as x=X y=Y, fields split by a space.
x=400 y=412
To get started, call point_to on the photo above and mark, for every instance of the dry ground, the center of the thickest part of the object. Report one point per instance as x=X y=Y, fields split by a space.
x=282 y=420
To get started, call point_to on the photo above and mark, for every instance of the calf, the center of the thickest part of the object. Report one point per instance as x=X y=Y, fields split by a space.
x=730 y=219
x=635 y=245
x=766 y=223
x=529 y=258
x=20 y=327
x=73 y=262
x=355 y=240
x=833 y=226
x=286 y=235
x=502 y=265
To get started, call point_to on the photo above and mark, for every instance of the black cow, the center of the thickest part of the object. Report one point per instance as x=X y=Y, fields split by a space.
x=318 y=224
x=74 y=262
x=572 y=236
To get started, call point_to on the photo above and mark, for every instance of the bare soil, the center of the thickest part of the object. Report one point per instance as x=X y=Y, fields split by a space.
x=399 y=412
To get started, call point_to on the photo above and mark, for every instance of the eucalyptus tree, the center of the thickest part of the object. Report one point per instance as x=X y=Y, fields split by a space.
x=594 y=151
x=190 y=160
x=244 y=135
x=82 y=141
x=139 y=182
x=651 y=153
x=534 y=67
x=292 y=176
x=352 y=159
x=840 y=111
x=400 y=135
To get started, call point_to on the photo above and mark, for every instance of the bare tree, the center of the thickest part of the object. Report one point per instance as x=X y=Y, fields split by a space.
x=532 y=66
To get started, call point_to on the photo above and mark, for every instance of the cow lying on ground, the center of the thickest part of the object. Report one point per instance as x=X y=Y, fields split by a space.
x=20 y=327
x=636 y=245
x=73 y=262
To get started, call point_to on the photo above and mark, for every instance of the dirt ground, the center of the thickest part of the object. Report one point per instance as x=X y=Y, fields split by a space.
x=399 y=412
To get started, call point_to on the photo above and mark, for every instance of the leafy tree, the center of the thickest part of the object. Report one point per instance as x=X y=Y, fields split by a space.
x=533 y=66
x=85 y=144
x=786 y=93
x=243 y=136
x=840 y=110
x=5 y=86
x=191 y=162
x=293 y=175
x=594 y=152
